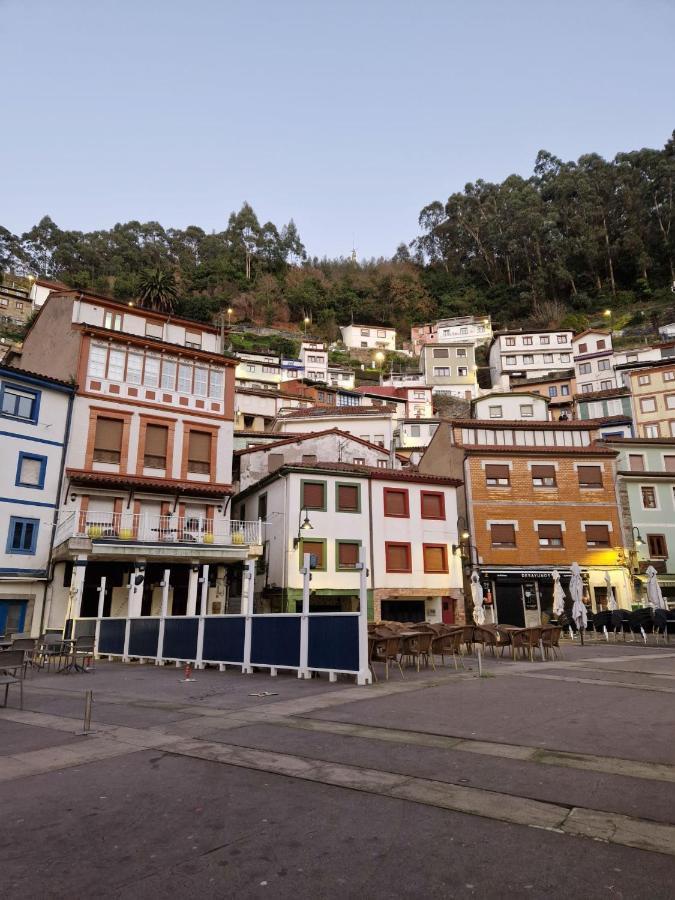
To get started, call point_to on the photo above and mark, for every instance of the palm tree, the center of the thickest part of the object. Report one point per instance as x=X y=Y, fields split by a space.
x=158 y=290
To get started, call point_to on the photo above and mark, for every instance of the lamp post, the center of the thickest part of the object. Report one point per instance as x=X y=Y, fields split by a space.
x=379 y=360
x=465 y=547
x=229 y=316
x=303 y=525
x=305 y=323
x=608 y=315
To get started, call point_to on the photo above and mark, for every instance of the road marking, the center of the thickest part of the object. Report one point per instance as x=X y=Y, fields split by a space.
x=659 y=689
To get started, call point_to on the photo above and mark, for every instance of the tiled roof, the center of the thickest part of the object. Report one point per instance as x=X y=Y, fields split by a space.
x=568 y=425
x=318 y=412
x=602 y=395
x=18 y=372
x=149 y=484
x=650 y=442
x=594 y=449
x=307 y=436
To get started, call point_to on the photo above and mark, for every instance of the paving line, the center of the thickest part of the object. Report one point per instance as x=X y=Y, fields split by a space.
x=659 y=689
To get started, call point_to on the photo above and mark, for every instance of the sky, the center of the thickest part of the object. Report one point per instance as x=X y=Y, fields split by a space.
x=348 y=117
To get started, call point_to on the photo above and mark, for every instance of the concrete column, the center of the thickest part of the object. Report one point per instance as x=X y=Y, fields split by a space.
x=193 y=586
x=99 y=614
x=303 y=671
x=163 y=613
x=204 y=592
x=76 y=587
x=364 y=676
x=135 y=601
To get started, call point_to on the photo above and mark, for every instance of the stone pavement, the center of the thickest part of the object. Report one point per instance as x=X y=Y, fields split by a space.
x=544 y=779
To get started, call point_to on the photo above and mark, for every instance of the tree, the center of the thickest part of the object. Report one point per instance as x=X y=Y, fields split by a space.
x=158 y=291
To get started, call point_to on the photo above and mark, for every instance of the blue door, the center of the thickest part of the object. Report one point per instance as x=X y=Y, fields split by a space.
x=12 y=616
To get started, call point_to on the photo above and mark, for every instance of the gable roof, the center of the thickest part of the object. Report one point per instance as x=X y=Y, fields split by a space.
x=310 y=435
x=323 y=411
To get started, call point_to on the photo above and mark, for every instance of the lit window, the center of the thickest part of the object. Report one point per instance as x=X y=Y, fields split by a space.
x=113 y=321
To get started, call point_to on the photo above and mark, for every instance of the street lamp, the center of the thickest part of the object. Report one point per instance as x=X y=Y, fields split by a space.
x=229 y=316
x=303 y=525
x=637 y=537
x=305 y=322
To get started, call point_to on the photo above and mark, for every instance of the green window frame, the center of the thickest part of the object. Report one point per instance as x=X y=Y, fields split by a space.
x=313 y=540
x=348 y=484
x=338 y=567
x=308 y=481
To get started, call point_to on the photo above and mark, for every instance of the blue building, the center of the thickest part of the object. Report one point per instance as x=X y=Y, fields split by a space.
x=35 y=414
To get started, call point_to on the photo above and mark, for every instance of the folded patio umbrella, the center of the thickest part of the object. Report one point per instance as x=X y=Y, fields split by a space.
x=477 y=595
x=558 y=595
x=654 y=595
x=577 y=593
x=611 y=599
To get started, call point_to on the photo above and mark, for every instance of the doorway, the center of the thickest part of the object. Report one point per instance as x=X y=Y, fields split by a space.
x=403 y=610
x=509 y=600
x=447 y=611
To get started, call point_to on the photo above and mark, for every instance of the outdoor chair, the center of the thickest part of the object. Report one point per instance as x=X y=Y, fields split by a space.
x=640 y=622
x=386 y=650
x=11 y=671
x=525 y=641
x=50 y=649
x=418 y=647
x=84 y=651
x=449 y=642
x=487 y=636
x=27 y=645
x=661 y=624
x=550 y=640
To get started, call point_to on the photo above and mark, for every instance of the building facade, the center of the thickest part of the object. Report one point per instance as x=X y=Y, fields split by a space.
x=532 y=354
x=368 y=337
x=314 y=358
x=374 y=424
x=559 y=389
x=35 y=417
x=474 y=329
x=259 y=370
x=593 y=360
x=450 y=369
x=652 y=387
x=510 y=406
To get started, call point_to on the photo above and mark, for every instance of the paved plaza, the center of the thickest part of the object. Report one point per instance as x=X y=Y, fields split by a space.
x=536 y=780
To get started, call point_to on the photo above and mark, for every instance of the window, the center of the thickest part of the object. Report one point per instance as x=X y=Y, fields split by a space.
x=589 y=476
x=600 y=345
x=19 y=403
x=564 y=357
x=441 y=372
x=461 y=352
x=432 y=505
x=503 y=535
x=631 y=357
x=527 y=342
x=636 y=462
x=156 y=439
x=669 y=376
x=435 y=558
x=381 y=333
x=262 y=507
x=597 y=535
x=511 y=360
x=154 y=331
x=397 y=557
x=462 y=372
x=654 y=431
x=603 y=365
x=553 y=391
x=583 y=348
x=193 y=339
x=396 y=503
x=497 y=476
x=365 y=332
x=644 y=379
x=464 y=330
x=548 y=357
x=670 y=401
x=185 y=378
x=199 y=452
x=216 y=384
x=669 y=463
x=565 y=390
x=22 y=536
x=510 y=342
x=134 y=368
x=543 y=476
x=528 y=360
x=648 y=495
x=346 y=554
x=378 y=439
x=495 y=412
x=315 y=548
x=151 y=372
x=562 y=339
x=415 y=431
x=169 y=375
x=526 y=410
x=359 y=461
x=441 y=353
x=382 y=464
x=586 y=388
x=347 y=498
x=201 y=381
x=30 y=470
x=657 y=546
x=313 y=494
x=544 y=339
x=113 y=321
x=585 y=369
x=108 y=440
x=647 y=404
x=98 y=357
x=550 y=535
x=605 y=385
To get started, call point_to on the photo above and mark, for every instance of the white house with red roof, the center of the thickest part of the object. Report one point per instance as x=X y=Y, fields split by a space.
x=410 y=401
x=375 y=424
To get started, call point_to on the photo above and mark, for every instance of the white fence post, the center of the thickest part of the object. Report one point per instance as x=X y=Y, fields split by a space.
x=248 y=587
x=99 y=612
x=202 y=613
x=303 y=671
x=163 y=611
x=364 y=676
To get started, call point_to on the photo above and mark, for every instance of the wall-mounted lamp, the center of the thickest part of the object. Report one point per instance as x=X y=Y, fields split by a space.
x=637 y=537
x=73 y=498
x=303 y=525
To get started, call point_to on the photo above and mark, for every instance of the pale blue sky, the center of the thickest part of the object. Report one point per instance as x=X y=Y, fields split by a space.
x=347 y=116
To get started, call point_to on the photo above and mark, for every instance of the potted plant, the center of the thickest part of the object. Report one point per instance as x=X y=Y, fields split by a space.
x=95 y=531
x=208 y=537
x=126 y=534
x=237 y=537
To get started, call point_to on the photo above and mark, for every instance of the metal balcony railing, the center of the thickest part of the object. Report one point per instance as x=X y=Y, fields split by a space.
x=135 y=528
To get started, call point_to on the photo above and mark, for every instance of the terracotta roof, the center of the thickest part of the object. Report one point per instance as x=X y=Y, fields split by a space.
x=602 y=395
x=597 y=448
x=318 y=411
x=650 y=442
x=18 y=372
x=379 y=390
x=569 y=424
x=149 y=484
x=297 y=438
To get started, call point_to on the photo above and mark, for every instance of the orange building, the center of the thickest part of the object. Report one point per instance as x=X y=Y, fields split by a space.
x=539 y=496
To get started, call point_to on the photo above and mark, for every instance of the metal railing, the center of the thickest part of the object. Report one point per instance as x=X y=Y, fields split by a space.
x=167 y=529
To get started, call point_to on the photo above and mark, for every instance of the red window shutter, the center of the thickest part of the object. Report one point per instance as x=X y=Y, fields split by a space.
x=314 y=494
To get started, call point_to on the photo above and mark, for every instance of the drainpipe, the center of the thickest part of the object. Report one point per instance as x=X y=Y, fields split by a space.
x=50 y=568
x=370 y=538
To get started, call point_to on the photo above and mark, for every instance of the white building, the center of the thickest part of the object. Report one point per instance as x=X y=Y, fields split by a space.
x=256 y=408
x=511 y=407
x=261 y=370
x=531 y=354
x=375 y=424
x=667 y=332
x=341 y=377
x=406 y=522
x=35 y=417
x=593 y=360
x=463 y=329
x=368 y=337
x=314 y=358
x=411 y=402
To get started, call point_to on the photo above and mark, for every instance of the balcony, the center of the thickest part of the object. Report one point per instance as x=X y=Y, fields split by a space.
x=120 y=534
